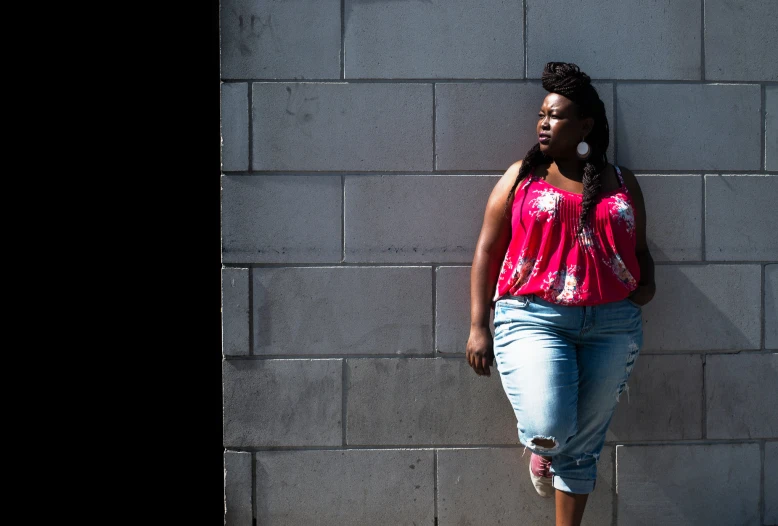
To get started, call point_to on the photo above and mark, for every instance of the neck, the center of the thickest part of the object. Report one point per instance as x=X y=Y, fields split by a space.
x=569 y=167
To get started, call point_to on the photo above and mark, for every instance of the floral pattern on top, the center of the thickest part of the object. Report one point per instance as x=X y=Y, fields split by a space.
x=526 y=268
x=547 y=257
x=622 y=211
x=545 y=204
x=619 y=269
x=563 y=287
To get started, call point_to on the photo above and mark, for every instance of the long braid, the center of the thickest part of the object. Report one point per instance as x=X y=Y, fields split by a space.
x=568 y=80
x=533 y=158
x=598 y=159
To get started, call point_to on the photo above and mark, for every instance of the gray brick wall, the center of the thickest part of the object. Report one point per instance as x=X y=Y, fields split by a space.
x=360 y=141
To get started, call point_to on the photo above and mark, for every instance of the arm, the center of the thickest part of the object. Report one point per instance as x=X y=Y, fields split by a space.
x=489 y=254
x=646 y=287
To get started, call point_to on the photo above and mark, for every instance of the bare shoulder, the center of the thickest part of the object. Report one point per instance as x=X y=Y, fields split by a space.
x=502 y=188
x=505 y=182
x=513 y=170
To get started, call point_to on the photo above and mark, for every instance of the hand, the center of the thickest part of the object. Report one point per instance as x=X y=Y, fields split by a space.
x=643 y=294
x=480 y=350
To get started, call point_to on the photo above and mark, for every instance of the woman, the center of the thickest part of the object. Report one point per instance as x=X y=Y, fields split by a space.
x=562 y=259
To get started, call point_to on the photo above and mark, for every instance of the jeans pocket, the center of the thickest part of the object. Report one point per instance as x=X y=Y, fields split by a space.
x=514 y=302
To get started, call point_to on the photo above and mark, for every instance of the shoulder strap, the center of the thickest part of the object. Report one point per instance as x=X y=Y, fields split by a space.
x=528 y=180
x=618 y=173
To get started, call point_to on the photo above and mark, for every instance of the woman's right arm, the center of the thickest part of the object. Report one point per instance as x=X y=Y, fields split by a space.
x=489 y=254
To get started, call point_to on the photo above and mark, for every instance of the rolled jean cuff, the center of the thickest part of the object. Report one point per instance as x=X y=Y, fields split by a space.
x=573 y=485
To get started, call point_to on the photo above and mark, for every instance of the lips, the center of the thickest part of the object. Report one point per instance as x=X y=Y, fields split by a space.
x=543 y=138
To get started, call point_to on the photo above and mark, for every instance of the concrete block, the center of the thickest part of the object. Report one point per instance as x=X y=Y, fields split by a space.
x=740 y=219
x=492 y=486
x=703 y=308
x=616 y=38
x=237 y=489
x=771 y=483
x=771 y=128
x=343 y=310
x=452 y=39
x=452 y=309
x=235 y=126
x=261 y=39
x=741 y=392
x=281 y=219
x=414 y=219
x=664 y=401
x=741 y=40
x=771 y=307
x=688 y=485
x=490 y=126
x=282 y=403
x=673 y=200
x=235 y=311
x=340 y=126
x=345 y=487
x=425 y=401
x=689 y=126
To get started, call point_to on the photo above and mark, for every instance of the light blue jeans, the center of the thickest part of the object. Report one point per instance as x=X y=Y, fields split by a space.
x=563 y=369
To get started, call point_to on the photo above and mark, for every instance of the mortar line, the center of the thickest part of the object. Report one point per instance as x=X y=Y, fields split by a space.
x=434 y=145
x=251 y=128
x=763 y=115
x=524 y=7
x=435 y=484
x=253 y=487
x=702 y=40
x=343 y=400
x=703 y=255
x=434 y=323
x=518 y=447
x=456 y=264
x=704 y=420
x=251 y=311
x=470 y=173
x=460 y=355
x=762 y=309
x=343 y=39
x=761 y=482
x=483 y=80
x=614 y=493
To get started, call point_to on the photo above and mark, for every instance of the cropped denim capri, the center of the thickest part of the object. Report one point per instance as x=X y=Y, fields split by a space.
x=563 y=368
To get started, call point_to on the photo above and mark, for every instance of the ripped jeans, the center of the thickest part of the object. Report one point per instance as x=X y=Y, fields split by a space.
x=563 y=369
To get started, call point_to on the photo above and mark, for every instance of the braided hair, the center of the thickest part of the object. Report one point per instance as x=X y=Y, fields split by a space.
x=568 y=80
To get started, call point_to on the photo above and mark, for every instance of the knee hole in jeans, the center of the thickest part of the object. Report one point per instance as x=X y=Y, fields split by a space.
x=544 y=442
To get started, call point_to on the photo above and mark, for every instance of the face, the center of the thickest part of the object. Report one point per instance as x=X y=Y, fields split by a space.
x=559 y=127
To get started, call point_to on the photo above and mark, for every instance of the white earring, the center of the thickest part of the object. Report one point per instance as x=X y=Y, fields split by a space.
x=583 y=150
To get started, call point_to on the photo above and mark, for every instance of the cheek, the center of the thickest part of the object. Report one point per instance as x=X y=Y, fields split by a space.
x=563 y=133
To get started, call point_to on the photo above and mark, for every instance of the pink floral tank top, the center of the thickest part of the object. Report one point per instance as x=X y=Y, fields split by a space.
x=546 y=258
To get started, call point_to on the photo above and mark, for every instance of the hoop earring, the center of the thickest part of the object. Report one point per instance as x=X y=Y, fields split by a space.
x=583 y=150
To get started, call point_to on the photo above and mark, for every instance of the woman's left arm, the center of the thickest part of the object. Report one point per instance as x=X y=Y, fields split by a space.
x=646 y=287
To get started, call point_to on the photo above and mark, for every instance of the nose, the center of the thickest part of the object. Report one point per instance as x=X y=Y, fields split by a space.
x=544 y=123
